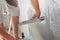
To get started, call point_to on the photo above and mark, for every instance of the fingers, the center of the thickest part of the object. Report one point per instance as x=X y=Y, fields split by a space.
x=36 y=16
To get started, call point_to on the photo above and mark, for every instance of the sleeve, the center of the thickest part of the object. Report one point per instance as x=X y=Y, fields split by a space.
x=14 y=11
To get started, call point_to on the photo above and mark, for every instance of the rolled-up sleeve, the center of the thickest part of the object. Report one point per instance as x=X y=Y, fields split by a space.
x=14 y=11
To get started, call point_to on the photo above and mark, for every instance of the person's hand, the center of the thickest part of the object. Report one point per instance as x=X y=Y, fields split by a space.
x=36 y=15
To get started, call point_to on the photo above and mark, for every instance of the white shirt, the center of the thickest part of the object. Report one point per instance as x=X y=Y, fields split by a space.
x=52 y=7
x=25 y=9
x=54 y=16
x=4 y=7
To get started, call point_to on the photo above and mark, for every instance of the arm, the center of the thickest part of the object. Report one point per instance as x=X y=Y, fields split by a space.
x=36 y=7
x=5 y=35
x=14 y=17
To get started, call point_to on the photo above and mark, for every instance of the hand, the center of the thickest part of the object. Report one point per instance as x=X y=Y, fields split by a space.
x=36 y=15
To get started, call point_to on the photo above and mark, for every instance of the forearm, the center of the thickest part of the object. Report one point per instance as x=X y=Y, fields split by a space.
x=15 y=22
x=35 y=5
x=5 y=35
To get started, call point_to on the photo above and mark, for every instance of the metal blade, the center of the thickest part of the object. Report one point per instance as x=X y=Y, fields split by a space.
x=31 y=21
